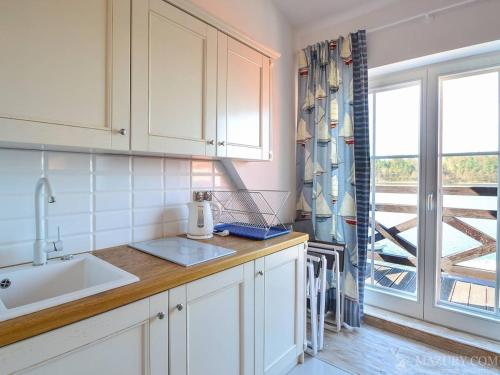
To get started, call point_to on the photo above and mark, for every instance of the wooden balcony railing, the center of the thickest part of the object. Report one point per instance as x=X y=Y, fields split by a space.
x=450 y=216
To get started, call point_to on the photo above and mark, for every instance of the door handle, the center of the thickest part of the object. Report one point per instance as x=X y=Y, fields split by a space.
x=430 y=202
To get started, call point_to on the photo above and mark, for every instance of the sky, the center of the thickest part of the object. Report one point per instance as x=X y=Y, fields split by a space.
x=470 y=119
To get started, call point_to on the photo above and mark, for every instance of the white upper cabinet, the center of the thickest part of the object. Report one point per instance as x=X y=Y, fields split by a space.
x=65 y=72
x=243 y=101
x=174 y=80
x=131 y=75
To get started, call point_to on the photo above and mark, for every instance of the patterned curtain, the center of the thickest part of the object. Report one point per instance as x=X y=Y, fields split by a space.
x=333 y=165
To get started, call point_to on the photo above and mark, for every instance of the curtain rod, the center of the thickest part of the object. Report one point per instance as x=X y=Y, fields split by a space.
x=426 y=16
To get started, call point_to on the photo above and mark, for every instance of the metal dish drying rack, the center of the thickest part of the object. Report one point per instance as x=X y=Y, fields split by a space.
x=251 y=214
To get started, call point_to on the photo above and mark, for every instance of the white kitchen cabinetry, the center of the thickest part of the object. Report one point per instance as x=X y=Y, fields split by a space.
x=65 y=73
x=245 y=320
x=279 y=311
x=174 y=80
x=131 y=75
x=212 y=324
x=243 y=101
x=112 y=343
x=158 y=334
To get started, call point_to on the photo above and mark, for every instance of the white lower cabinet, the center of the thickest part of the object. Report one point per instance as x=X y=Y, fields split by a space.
x=279 y=311
x=115 y=342
x=245 y=320
x=158 y=333
x=212 y=324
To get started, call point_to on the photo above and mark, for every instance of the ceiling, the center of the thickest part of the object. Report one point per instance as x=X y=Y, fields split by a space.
x=301 y=12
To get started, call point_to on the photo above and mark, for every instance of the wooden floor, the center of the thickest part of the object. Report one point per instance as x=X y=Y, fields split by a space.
x=369 y=350
x=459 y=290
x=314 y=366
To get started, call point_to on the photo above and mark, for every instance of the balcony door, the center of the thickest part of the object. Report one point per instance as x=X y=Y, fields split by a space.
x=462 y=261
x=395 y=262
x=433 y=251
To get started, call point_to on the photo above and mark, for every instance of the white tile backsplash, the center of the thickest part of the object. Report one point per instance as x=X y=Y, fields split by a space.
x=147 y=166
x=143 y=199
x=101 y=200
x=153 y=182
x=65 y=161
x=112 y=182
x=17 y=230
x=148 y=216
x=112 y=238
x=110 y=220
x=116 y=164
x=69 y=225
x=20 y=160
x=70 y=203
x=147 y=232
x=18 y=181
x=177 y=197
x=116 y=200
x=177 y=182
x=16 y=206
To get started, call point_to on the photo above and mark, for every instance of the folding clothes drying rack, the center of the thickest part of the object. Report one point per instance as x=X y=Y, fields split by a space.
x=316 y=288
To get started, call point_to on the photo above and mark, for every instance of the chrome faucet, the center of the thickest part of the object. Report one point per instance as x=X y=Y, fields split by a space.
x=41 y=247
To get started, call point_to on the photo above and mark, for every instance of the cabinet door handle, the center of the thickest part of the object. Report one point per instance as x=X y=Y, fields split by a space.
x=221 y=143
x=122 y=131
x=260 y=273
x=160 y=315
x=179 y=306
x=211 y=142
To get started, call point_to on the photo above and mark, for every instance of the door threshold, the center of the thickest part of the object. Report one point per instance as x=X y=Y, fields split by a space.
x=432 y=334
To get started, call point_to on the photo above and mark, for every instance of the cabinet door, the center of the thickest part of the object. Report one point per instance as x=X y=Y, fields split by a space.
x=158 y=334
x=111 y=343
x=243 y=101
x=174 y=79
x=212 y=324
x=65 y=72
x=279 y=310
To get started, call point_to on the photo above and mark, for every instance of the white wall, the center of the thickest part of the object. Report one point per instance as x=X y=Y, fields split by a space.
x=101 y=200
x=463 y=26
x=261 y=21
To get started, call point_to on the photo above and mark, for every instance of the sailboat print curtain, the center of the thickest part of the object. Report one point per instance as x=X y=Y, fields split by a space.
x=333 y=155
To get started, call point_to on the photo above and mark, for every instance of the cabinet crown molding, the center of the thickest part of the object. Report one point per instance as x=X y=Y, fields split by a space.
x=204 y=16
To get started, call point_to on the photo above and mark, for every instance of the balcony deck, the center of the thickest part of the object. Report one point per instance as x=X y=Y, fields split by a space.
x=465 y=291
x=465 y=286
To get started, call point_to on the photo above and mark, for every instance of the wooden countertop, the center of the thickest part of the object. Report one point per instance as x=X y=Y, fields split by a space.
x=156 y=275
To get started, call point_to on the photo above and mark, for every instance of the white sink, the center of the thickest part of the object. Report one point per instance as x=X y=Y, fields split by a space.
x=59 y=281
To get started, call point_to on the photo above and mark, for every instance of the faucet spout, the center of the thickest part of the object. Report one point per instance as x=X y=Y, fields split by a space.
x=42 y=183
x=40 y=246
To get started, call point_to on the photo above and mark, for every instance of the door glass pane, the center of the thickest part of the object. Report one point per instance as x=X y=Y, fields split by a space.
x=398 y=121
x=470 y=102
x=468 y=192
x=395 y=172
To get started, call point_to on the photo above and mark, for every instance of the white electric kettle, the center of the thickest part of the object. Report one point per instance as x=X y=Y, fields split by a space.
x=200 y=221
